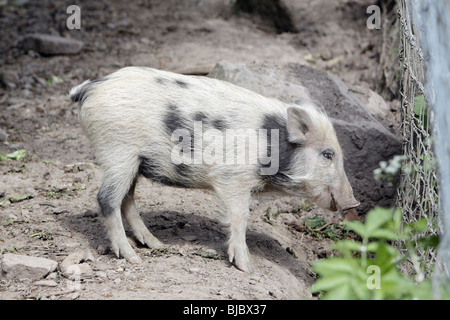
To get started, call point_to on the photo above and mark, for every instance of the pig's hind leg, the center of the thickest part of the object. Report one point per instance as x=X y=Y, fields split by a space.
x=140 y=231
x=117 y=182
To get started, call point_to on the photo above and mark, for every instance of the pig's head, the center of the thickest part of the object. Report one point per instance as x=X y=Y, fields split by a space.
x=317 y=164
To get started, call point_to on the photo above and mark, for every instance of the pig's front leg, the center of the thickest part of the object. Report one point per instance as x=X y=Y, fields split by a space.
x=235 y=206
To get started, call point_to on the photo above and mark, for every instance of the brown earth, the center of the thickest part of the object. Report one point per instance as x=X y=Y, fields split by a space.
x=59 y=178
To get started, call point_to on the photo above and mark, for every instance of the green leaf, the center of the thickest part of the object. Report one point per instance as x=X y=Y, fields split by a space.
x=54 y=80
x=347 y=246
x=376 y=218
x=329 y=283
x=16 y=155
x=343 y=292
x=430 y=241
x=385 y=234
x=419 y=104
x=420 y=226
x=397 y=219
x=315 y=222
x=356 y=227
x=20 y=198
x=334 y=265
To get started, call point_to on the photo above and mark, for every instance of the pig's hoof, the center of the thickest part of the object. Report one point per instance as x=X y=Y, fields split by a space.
x=124 y=249
x=135 y=260
x=246 y=267
x=149 y=240
x=241 y=259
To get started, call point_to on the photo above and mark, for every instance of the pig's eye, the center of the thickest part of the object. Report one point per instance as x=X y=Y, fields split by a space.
x=328 y=155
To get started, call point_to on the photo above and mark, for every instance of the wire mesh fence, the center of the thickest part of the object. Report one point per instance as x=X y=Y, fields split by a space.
x=418 y=190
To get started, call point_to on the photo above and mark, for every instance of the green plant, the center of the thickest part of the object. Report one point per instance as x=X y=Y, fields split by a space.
x=388 y=170
x=368 y=268
x=16 y=155
x=421 y=110
x=318 y=227
x=53 y=80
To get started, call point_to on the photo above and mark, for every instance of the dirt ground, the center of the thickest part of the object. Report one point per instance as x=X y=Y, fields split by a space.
x=48 y=199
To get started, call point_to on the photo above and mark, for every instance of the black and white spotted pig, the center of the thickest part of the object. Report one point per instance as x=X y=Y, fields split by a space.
x=137 y=120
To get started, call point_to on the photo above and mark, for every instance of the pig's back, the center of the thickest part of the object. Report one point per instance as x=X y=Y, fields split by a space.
x=141 y=107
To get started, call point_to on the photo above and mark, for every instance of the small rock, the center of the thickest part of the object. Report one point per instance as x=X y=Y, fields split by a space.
x=194 y=270
x=101 y=274
x=3 y=135
x=102 y=250
x=111 y=274
x=52 y=276
x=47 y=44
x=190 y=238
x=46 y=283
x=60 y=210
x=89 y=213
x=75 y=295
x=72 y=266
x=9 y=78
x=26 y=267
x=81 y=270
x=326 y=54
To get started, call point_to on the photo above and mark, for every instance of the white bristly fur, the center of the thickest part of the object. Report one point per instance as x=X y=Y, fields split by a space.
x=126 y=114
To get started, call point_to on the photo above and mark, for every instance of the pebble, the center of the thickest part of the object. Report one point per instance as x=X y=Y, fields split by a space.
x=75 y=295
x=101 y=274
x=72 y=265
x=9 y=78
x=102 y=249
x=60 y=210
x=47 y=44
x=89 y=213
x=3 y=135
x=46 y=283
x=16 y=266
x=189 y=238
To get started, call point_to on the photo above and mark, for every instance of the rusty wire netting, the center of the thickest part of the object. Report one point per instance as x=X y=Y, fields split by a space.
x=418 y=190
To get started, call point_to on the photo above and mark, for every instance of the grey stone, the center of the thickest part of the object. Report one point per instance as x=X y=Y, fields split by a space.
x=3 y=135
x=15 y=266
x=9 y=78
x=72 y=265
x=46 y=283
x=365 y=141
x=47 y=44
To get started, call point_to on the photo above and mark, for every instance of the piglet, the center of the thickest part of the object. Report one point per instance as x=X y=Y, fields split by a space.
x=199 y=132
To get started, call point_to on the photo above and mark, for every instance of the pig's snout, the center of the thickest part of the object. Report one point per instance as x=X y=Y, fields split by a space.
x=334 y=205
x=351 y=205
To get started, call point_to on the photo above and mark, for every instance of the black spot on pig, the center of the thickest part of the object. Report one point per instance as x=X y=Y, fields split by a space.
x=200 y=116
x=105 y=198
x=219 y=124
x=173 y=119
x=182 y=84
x=160 y=80
x=152 y=170
x=287 y=150
x=82 y=94
x=182 y=169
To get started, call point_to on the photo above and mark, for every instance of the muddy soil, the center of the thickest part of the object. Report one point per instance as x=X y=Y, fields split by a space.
x=48 y=199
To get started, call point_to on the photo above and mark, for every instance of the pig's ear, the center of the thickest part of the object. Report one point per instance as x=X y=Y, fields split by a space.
x=298 y=124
